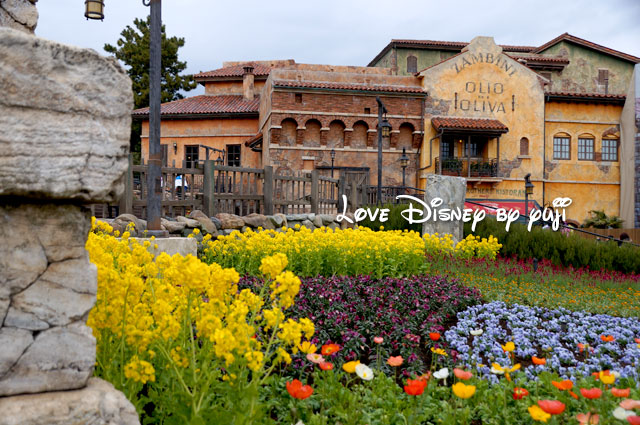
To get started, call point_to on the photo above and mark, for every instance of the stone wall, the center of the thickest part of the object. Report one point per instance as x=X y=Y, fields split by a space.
x=21 y=15
x=64 y=133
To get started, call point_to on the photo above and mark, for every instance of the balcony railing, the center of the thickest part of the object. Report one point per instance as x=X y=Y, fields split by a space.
x=463 y=167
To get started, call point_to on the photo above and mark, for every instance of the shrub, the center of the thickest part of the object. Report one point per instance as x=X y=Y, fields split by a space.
x=395 y=221
x=567 y=250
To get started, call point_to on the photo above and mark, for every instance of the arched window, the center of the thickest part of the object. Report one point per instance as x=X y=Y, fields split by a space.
x=412 y=64
x=610 y=148
x=405 y=138
x=312 y=133
x=586 y=147
x=524 y=146
x=288 y=132
x=336 y=134
x=562 y=146
x=360 y=129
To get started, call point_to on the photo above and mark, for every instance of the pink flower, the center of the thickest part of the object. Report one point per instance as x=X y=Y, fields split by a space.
x=378 y=340
x=315 y=358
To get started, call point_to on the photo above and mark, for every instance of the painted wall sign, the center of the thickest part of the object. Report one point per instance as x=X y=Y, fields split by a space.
x=474 y=58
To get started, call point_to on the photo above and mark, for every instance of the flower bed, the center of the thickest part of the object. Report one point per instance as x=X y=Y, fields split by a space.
x=569 y=343
x=351 y=311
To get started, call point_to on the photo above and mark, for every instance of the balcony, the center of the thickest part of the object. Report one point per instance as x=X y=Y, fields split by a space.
x=472 y=168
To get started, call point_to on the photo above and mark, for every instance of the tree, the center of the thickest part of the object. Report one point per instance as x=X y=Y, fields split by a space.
x=133 y=50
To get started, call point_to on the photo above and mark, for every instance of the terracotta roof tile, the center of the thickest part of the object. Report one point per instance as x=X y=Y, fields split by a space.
x=586 y=43
x=235 y=71
x=452 y=123
x=587 y=96
x=347 y=86
x=461 y=44
x=542 y=59
x=206 y=105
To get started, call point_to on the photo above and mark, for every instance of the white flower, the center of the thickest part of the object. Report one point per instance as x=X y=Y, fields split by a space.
x=364 y=372
x=476 y=332
x=622 y=414
x=616 y=374
x=441 y=374
x=497 y=371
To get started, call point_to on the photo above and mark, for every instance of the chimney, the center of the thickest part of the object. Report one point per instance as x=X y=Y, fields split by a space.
x=247 y=82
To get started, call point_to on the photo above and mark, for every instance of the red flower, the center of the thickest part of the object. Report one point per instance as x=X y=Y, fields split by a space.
x=326 y=366
x=633 y=420
x=538 y=361
x=552 y=407
x=519 y=393
x=617 y=392
x=415 y=386
x=299 y=391
x=607 y=338
x=329 y=349
x=592 y=393
x=462 y=374
x=434 y=336
x=637 y=340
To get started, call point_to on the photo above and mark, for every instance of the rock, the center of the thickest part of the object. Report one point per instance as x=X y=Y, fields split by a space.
x=344 y=224
x=227 y=232
x=245 y=229
x=278 y=220
x=317 y=221
x=333 y=226
x=13 y=342
x=207 y=224
x=269 y=225
x=452 y=190
x=297 y=217
x=123 y=221
x=172 y=226
x=327 y=218
x=230 y=221
x=256 y=220
x=60 y=358
x=216 y=222
x=69 y=111
x=97 y=404
x=308 y=224
x=292 y=224
x=172 y=246
x=20 y=319
x=189 y=222
x=19 y=14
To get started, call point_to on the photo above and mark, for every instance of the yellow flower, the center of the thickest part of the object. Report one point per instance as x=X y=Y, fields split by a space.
x=350 y=367
x=509 y=346
x=308 y=348
x=463 y=391
x=607 y=379
x=273 y=265
x=139 y=370
x=439 y=351
x=537 y=414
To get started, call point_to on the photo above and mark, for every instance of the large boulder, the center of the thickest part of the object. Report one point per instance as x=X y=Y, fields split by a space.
x=189 y=222
x=206 y=223
x=230 y=221
x=452 y=191
x=67 y=112
x=256 y=220
x=19 y=14
x=173 y=227
x=123 y=220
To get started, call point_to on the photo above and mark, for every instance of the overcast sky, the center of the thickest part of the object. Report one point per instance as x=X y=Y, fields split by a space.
x=345 y=32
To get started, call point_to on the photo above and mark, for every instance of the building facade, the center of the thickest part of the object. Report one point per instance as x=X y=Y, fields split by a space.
x=487 y=112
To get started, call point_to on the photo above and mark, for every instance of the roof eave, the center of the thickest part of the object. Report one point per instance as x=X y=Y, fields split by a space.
x=145 y=117
x=370 y=92
x=584 y=99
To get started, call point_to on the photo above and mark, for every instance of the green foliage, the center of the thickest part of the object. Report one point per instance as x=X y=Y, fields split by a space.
x=600 y=220
x=396 y=220
x=566 y=250
x=133 y=50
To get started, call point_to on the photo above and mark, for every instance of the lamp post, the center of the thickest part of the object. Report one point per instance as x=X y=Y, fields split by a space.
x=404 y=161
x=333 y=157
x=384 y=130
x=528 y=190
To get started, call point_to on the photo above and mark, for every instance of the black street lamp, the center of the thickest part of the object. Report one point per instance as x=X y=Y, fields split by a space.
x=94 y=9
x=404 y=161
x=333 y=157
x=528 y=190
x=384 y=131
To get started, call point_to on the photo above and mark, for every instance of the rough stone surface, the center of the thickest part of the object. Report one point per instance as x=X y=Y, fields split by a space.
x=452 y=191
x=69 y=114
x=19 y=14
x=172 y=226
x=97 y=404
x=60 y=358
x=217 y=222
x=171 y=246
x=256 y=220
x=278 y=220
x=230 y=221
x=13 y=342
x=123 y=220
x=207 y=224
x=189 y=222
x=308 y=224
x=318 y=221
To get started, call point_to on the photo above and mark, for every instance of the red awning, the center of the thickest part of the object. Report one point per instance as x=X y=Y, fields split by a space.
x=491 y=205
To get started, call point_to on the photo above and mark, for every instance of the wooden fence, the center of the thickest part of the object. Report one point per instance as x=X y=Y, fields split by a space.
x=633 y=234
x=224 y=189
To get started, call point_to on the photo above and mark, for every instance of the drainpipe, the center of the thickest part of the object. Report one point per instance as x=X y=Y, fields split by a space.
x=544 y=147
x=437 y=136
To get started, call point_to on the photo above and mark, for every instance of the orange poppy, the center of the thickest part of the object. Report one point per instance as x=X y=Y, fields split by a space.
x=297 y=390
x=519 y=393
x=637 y=340
x=607 y=338
x=415 y=386
x=326 y=366
x=582 y=347
x=618 y=392
x=462 y=374
x=572 y=394
x=329 y=349
x=591 y=393
x=538 y=361
x=434 y=336
x=395 y=361
x=552 y=407
x=563 y=385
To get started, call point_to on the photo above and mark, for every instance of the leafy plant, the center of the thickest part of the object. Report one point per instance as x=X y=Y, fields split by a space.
x=600 y=220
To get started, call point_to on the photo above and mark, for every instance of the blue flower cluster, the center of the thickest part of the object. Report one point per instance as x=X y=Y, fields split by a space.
x=553 y=334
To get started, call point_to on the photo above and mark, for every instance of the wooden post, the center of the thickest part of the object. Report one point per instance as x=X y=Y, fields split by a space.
x=267 y=190
x=208 y=187
x=315 y=195
x=354 y=196
x=126 y=201
x=497 y=156
x=469 y=156
x=341 y=191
